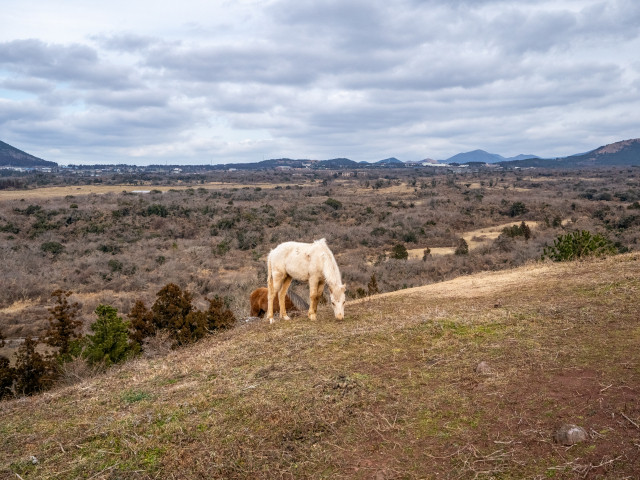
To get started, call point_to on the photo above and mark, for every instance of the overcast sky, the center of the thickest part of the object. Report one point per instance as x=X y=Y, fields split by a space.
x=196 y=81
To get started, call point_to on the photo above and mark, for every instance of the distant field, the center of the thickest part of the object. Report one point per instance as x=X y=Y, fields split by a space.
x=47 y=192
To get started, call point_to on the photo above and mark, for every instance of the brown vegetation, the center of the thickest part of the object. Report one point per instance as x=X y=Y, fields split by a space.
x=206 y=238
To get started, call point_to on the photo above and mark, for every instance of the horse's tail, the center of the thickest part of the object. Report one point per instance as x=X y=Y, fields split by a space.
x=298 y=301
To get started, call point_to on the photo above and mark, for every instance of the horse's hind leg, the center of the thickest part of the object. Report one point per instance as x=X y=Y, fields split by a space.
x=282 y=296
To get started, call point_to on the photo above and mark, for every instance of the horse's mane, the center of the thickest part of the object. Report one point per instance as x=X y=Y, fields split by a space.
x=330 y=270
x=298 y=301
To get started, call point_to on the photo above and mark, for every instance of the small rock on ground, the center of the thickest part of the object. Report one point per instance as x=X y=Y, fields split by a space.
x=252 y=319
x=483 y=368
x=570 y=435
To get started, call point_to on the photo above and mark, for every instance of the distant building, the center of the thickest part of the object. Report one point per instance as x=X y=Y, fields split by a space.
x=232 y=170
x=283 y=167
x=346 y=174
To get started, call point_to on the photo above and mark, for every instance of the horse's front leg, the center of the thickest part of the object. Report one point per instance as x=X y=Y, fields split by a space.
x=315 y=290
x=273 y=286
x=283 y=297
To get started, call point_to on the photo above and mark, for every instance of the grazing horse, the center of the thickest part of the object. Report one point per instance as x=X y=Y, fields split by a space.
x=306 y=262
x=260 y=302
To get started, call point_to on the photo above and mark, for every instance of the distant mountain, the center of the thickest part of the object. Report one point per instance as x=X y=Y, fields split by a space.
x=626 y=152
x=521 y=157
x=484 y=157
x=17 y=158
x=475 y=156
x=337 y=162
x=390 y=160
x=428 y=160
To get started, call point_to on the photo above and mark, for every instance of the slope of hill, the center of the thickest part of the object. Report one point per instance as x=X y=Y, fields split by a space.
x=391 y=392
x=17 y=158
x=622 y=153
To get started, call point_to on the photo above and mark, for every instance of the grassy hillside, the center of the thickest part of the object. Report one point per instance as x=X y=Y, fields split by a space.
x=390 y=392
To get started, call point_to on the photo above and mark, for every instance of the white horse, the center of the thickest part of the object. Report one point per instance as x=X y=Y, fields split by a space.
x=306 y=262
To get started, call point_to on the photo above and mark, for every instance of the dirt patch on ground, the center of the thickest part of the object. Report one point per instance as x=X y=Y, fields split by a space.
x=480 y=284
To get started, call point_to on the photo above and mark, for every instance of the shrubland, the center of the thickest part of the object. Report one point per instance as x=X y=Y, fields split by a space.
x=117 y=248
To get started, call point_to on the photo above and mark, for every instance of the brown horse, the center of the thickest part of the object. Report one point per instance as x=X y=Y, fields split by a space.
x=260 y=302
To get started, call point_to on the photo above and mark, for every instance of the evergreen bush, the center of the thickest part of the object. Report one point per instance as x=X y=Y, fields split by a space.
x=517 y=208
x=577 y=245
x=333 y=203
x=462 y=248
x=110 y=341
x=7 y=373
x=63 y=326
x=34 y=372
x=399 y=252
x=54 y=248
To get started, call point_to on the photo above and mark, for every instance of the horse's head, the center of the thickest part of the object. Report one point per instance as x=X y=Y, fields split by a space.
x=337 y=301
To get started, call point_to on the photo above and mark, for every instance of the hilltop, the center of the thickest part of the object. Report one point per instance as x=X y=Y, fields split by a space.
x=17 y=158
x=390 y=392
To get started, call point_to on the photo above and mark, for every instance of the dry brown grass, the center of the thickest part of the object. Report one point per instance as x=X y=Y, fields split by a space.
x=390 y=392
x=50 y=192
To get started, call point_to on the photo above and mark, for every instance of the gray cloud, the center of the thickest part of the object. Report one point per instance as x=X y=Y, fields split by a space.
x=329 y=78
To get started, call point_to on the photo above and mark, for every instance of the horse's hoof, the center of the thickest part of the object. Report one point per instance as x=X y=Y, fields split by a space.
x=312 y=317
x=286 y=317
x=271 y=320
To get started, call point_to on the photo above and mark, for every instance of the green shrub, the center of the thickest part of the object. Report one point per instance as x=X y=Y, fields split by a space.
x=156 y=191
x=635 y=205
x=517 y=208
x=112 y=249
x=9 y=228
x=522 y=230
x=115 y=265
x=604 y=196
x=174 y=312
x=158 y=210
x=110 y=341
x=409 y=237
x=399 y=252
x=378 y=231
x=577 y=245
x=7 y=373
x=222 y=248
x=34 y=373
x=226 y=223
x=52 y=247
x=64 y=325
x=462 y=248
x=333 y=203
x=73 y=205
